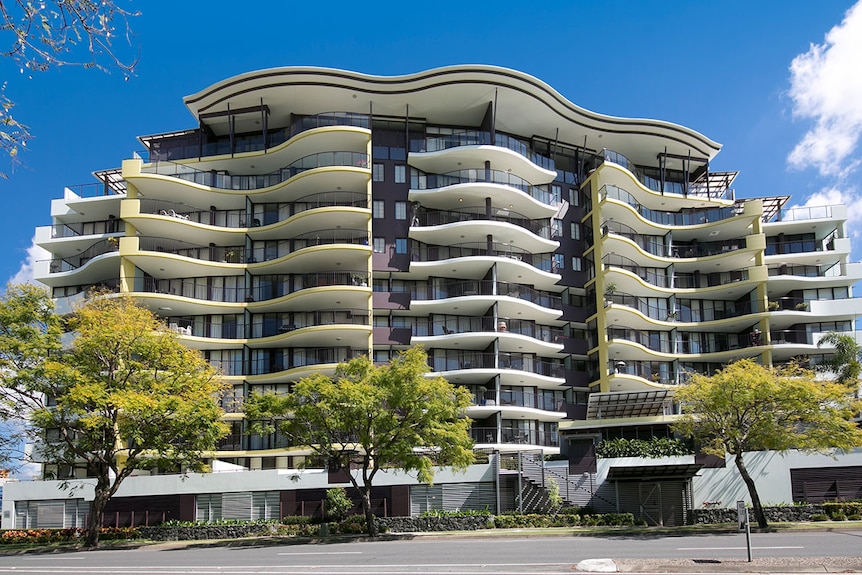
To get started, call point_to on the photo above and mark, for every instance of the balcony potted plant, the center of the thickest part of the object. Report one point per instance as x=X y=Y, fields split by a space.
x=610 y=288
x=772 y=306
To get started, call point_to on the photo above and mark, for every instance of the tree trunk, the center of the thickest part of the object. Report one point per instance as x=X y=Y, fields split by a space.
x=370 y=523
x=752 y=492
x=97 y=511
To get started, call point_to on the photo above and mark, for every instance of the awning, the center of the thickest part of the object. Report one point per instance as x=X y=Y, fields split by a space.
x=629 y=404
x=654 y=472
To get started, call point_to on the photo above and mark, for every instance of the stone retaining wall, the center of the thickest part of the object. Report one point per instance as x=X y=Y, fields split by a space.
x=190 y=533
x=776 y=514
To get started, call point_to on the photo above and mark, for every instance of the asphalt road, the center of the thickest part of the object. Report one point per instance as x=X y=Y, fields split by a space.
x=428 y=555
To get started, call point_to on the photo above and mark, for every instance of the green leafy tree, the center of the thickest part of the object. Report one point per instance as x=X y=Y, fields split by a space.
x=123 y=395
x=368 y=418
x=338 y=504
x=39 y=36
x=748 y=407
x=555 y=500
x=844 y=360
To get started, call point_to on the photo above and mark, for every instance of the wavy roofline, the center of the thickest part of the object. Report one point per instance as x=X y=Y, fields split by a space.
x=496 y=76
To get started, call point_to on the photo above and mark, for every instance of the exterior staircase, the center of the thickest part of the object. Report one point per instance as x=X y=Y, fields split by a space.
x=575 y=490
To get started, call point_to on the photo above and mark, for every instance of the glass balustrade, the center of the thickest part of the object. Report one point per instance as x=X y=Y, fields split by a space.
x=422 y=181
x=226 y=181
x=540 y=227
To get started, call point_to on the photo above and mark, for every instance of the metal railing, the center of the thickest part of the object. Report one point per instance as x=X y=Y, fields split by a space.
x=422 y=252
x=514 y=435
x=452 y=360
x=189 y=144
x=275 y=286
x=685 y=217
x=223 y=180
x=423 y=181
x=70 y=263
x=541 y=227
x=487 y=288
x=434 y=143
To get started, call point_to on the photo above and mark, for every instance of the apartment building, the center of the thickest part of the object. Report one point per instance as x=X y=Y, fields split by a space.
x=568 y=268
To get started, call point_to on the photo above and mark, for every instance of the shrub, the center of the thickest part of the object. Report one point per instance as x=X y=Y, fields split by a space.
x=820 y=517
x=648 y=448
x=338 y=504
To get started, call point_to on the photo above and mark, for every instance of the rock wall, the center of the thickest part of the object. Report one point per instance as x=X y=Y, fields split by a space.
x=777 y=514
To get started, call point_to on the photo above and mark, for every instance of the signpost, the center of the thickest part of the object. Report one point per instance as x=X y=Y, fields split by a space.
x=744 y=525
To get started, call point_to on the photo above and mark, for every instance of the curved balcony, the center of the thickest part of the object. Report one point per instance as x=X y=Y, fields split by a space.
x=541 y=228
x=473 y=297
x=465 y=367
x=285 y=364
x=664 y=218
x=686 y=189
x=225 y=181
x=520 y=438
x=97 y=262
x=634 y=375
x=262 y=325
x=155 y=255
x=515 y=403
x=260 y=215
x=456 y=289
x=474 y=148
x=631 y=277
x=282 y=292
x=439 y=253
x=447 y=190
x=79 y=229
x=528 y=335
x=653 y=344
x=657 y=245
x=438 y=142
x=187 y=145
x=679 y=311
x=508 y=268
x=477 y=231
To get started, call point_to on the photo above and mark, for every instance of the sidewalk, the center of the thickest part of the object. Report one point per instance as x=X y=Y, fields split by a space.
x=757 y=565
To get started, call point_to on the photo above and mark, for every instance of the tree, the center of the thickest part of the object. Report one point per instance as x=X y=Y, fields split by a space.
x=748 y=407
x=39 y=36
x=370 y=418
x=125 y=394
x=844 y=360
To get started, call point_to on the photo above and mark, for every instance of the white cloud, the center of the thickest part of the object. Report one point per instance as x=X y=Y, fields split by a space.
x=25 y=272
x=826 y=87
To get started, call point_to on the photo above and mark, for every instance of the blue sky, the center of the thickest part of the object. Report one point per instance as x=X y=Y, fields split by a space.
x=761 y=77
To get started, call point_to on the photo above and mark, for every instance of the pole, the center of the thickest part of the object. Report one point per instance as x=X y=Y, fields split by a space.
x=520 y=487
x=744 y=525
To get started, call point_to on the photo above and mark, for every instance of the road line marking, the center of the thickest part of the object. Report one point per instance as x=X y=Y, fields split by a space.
x=324 y=553
x=736 y=548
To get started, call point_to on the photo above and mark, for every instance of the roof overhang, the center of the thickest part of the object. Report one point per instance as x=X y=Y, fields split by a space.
x=454 y=95
x=652 y=403
x=654 y=472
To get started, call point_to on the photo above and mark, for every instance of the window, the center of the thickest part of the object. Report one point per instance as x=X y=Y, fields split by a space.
x=400 y=174
x=573 y=196
x=556 y=192
x=400 y=210
x=381 y=321
x=559 y=262
x=377 y=173
x=576 y=263
x=400 y=245
x=379 y=245
x=576 y=231
x=378 y=209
